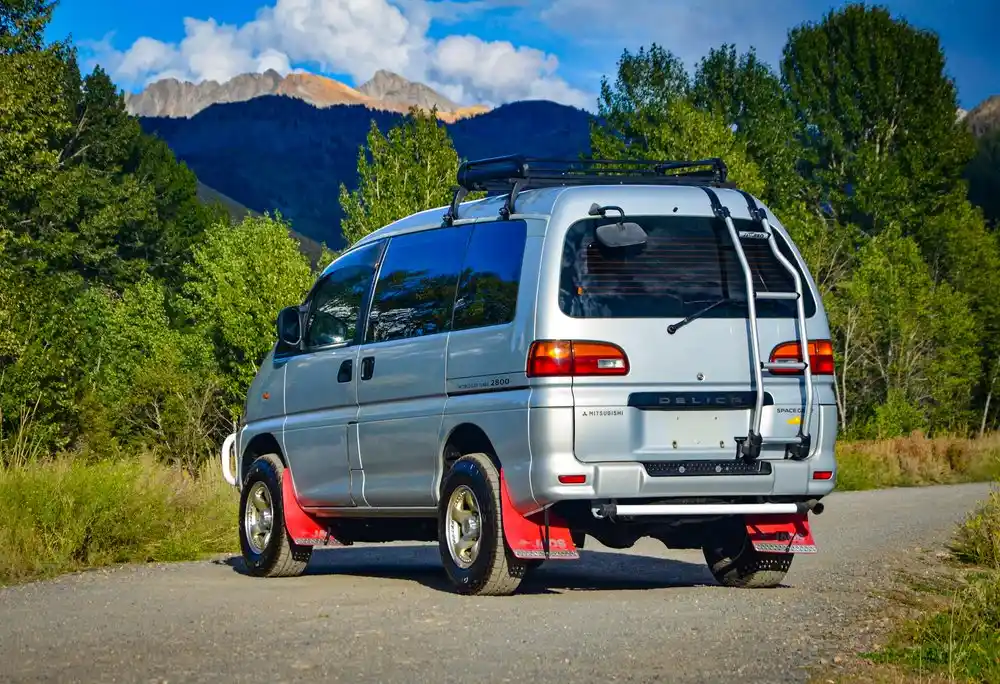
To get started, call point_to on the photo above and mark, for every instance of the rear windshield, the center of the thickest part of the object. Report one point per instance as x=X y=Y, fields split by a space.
x=688 y=263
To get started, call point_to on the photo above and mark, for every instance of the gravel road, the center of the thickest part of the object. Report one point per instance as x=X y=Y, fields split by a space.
x=382 y=613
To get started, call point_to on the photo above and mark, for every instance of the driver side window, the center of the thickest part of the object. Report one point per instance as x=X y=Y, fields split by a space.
x=337 y=300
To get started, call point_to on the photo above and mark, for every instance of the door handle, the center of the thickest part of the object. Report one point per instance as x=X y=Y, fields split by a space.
x=346 y=371
x=367 y=367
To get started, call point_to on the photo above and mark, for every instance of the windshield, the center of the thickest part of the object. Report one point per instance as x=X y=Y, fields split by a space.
x=687 y=264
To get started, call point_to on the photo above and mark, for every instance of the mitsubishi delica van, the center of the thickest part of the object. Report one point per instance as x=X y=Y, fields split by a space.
x=612 y=350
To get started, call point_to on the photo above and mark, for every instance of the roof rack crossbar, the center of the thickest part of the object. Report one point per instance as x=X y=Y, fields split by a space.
x=481 y=174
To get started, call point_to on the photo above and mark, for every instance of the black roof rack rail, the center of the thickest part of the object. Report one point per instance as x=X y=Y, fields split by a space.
x=515 y=173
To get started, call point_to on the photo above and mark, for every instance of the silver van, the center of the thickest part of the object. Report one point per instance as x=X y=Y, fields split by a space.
x=607 y=349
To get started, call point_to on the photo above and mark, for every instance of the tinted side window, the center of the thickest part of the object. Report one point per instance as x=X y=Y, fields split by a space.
x=487 y=292
x=415 y=292
x=337 y=300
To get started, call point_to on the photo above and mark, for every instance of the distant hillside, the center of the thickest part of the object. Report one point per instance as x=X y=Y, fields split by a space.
x=984 y=118
x=312 y=249
x=385 y=91
x=281 y=153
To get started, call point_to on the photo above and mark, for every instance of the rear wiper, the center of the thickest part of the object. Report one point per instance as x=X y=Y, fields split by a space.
x=674 y=327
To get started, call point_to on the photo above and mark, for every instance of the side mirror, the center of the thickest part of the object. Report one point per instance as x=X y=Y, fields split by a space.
x=290 y=326
x=617 y=235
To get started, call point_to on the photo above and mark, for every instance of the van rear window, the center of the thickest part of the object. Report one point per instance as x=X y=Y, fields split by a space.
x=688 y=263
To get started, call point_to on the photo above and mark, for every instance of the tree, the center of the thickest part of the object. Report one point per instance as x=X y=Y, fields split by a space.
x=409 y=169
x=240 y=277
x=22 y=24
x=683 y=132
x=906 y=346
x=881 y=138
x=748 y=96
x=636 y=105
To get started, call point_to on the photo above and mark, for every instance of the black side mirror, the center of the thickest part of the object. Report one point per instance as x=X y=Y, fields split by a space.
x=617 y=235
x=290 y=326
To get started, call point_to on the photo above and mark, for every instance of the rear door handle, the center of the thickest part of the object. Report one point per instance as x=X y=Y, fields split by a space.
x=367 y=367
x=346 y=371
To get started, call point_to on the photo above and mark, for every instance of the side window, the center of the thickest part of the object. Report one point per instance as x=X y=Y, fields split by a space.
x=337 y=300
x=487 y=293
x=415 y=292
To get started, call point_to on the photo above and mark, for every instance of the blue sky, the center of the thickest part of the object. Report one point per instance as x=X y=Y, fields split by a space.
x=488 y=51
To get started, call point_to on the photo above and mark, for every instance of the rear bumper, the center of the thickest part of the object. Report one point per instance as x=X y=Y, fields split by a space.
x=552 y=456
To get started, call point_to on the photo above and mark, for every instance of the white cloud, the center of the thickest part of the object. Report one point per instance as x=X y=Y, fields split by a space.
x=354 y=37
x=688 y=28
x=476 y=70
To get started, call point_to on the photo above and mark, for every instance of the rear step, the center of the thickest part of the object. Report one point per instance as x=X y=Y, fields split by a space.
x=614 y=510
x=751 y=445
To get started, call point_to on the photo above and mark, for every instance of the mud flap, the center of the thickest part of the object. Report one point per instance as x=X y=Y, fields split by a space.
x=540 y=535
x=304 y=529
x=787 y=533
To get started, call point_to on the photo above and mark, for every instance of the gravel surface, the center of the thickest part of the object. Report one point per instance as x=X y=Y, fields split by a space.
x=383 y=613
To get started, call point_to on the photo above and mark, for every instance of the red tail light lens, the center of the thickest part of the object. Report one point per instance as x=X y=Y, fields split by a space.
x=820 y=357
x=570 y=358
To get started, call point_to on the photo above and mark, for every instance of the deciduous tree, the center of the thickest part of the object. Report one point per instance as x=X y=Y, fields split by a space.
x=410 y=168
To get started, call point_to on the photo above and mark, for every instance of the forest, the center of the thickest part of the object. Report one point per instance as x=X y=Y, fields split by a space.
x=133 y=315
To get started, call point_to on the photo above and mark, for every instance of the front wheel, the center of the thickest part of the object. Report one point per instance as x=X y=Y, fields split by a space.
x=267 y=548
x=734 y=561
x=470 y=530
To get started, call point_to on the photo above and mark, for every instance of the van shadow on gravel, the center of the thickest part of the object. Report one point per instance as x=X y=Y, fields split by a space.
x=594 y=571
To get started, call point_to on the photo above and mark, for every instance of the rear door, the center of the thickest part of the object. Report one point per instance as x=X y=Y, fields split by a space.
x=688 y=394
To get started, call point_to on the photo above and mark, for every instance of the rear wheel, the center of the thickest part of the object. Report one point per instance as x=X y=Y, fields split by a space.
x=470 y=530
x=734 y=561
x=268 y=550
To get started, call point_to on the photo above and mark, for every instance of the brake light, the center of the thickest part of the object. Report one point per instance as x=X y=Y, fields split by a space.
x=820 y=357
x=573 y=358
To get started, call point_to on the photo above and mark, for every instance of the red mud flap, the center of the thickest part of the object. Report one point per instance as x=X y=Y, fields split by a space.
x=303 y=528
x=527 y=536
x=780 y=533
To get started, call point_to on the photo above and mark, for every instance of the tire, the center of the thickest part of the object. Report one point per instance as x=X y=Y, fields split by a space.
x=277 y=555
x=490 y=569
x=735 y=563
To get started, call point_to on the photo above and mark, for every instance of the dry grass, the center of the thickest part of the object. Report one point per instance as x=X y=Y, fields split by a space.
x=917 y=460
x=67 y=515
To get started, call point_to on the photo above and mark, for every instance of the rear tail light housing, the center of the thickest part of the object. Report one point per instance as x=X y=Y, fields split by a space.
x=820 y=357
x=575 y=358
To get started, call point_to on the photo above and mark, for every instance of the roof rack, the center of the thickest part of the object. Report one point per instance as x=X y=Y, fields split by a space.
x=514 y=174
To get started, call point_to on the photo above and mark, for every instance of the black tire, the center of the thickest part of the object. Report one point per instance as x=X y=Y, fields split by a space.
x=734 y=561
x=280 y=556
x=494 y=571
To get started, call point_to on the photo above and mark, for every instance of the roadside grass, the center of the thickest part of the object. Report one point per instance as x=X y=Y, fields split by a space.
x=957 y=636
x=916 y=460
x=64 y=515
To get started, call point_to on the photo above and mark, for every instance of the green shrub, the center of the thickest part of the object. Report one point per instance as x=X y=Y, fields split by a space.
x=68 y=515
x=978 y=538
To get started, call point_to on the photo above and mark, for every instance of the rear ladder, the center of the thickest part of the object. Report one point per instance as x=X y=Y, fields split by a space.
x=750 y=447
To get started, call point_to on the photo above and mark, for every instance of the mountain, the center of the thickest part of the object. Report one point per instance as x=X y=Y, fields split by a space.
x=386 y=91
x=390 y=87
x=312 y=249
x=280 y=153
x=984 y=118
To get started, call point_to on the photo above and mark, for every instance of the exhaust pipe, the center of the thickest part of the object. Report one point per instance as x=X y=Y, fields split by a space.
x=810 y=506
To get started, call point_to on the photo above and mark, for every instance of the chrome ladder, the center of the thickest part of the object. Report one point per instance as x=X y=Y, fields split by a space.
x=798 y=447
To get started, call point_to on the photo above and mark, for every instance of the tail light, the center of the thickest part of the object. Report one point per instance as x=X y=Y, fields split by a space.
x=573 y=358
x=820 y=357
